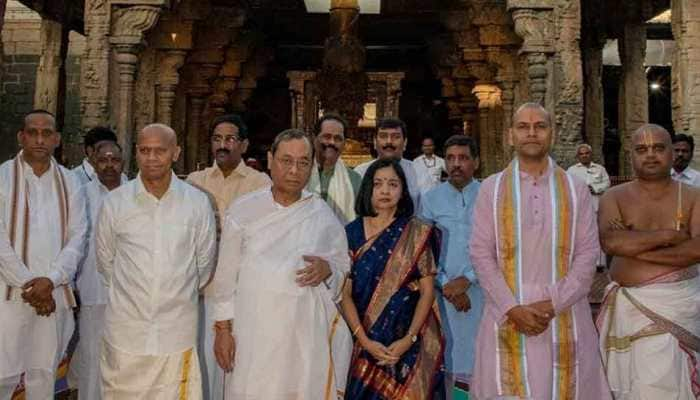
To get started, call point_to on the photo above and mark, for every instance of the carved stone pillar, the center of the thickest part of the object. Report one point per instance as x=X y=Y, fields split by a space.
x=200 y=89
x=634 y=97
x=685 y=73
x=489 y=153
x=94 y=65
x=51 y=69
x=128 y=26
x=297 y=91
x=170 y=62
x=507 y=101
x=194 y=124
x=594 y=113
x=533 y=23
x=393 y=94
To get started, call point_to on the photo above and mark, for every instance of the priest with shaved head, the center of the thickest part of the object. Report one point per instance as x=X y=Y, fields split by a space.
x=155 y=244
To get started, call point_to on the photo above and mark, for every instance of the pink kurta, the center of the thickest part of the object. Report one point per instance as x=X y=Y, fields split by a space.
x=572 y=291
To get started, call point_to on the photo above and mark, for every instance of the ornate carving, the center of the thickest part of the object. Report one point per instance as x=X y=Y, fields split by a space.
x=94 y=79
x=535 y=27
x=130 y=23
x=48 y=71
x=170 y=62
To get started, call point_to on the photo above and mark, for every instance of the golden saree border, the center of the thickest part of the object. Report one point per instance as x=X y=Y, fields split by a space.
x=331 y=367
x=421 y=381
x=185 y=376
x=404 y=257
x=374 y=377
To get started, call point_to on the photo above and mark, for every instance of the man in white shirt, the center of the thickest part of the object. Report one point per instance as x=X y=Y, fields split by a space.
x=594 y=175
x=85 y=172
x=155 y=246
x=93 y=294
x=683 y=148
x=390 y=142
x=282 y=264
x=228 y=179
x=429 y=167
x=42 y=239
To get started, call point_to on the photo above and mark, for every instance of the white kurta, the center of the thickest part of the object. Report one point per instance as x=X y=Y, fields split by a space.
x=428 y=171
x=408 y=170
x=28 y=340
x=85 y=172
x=154 y=255
x=689 y=176
x=84 y=366
x=291 y=342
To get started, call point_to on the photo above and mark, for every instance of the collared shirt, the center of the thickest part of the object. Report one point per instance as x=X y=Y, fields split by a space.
x=225 y=190
x=85 y=172
x=408 y=170
x=45 y=255
x=154 y=255
x=594 y=176
x=451 y=210
x=429 y=171
x=689 y=176
x=89 y=285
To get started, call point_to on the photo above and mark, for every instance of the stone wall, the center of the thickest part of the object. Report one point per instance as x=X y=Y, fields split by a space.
x=20 y=36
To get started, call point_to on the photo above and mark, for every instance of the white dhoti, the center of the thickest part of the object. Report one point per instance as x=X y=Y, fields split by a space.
x=33 y=345
x=86 y=359
x=144 y=377
x=650 y=338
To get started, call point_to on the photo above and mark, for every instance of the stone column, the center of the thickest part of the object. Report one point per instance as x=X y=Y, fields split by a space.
x=297 y=90
x=194 y=123
x=94 y=65
x=594 y=112
x=54 y=47
x=489 y=153
x=128 y=26
x=533 y=23
x=168 y=78
x=507 y=101
x=393 y=94
x=685 y=73
x=634 y=96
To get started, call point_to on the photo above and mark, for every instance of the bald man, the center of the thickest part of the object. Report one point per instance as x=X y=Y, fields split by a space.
x=650 y=324
x=155 y=244
x=593 y=175
x=534 y=246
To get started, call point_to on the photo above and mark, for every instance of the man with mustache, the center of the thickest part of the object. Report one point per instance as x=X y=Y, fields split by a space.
x=85 y=172
x=650 y=323
x=225 y=181
x=450 y=206
x=534 y=247
x=683 y=149
x=155 y=244
x=93 y=294
x=390 y=142
x=42 y=240
x=330 y=178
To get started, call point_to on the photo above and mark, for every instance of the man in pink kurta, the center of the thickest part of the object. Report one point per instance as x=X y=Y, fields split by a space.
x=536 y=287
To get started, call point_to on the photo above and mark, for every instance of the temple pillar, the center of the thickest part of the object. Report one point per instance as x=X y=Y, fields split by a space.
x=489 y=153
x=128 y=27
x=685 y=74
x=594 y=106
x=297 y=91
x=634 y=96
x=170 y=62
x=49 y=93
x=393 y=94
x=533 y=23
x=94 y=66
x=194 y=124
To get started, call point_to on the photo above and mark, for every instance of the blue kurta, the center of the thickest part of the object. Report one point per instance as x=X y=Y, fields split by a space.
x=451 y=211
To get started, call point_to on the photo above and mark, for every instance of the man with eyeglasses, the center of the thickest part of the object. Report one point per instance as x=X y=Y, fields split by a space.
x=390 y=142
x=225 y=181
x=282 y=264
x=330 y=178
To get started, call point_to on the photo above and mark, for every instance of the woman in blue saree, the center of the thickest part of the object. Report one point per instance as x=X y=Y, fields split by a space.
x=388 y=299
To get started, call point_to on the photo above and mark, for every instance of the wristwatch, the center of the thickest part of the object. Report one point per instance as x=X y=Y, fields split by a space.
x=414 y=338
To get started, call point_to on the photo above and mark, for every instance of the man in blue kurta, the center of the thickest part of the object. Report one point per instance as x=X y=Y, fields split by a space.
x=450 y=207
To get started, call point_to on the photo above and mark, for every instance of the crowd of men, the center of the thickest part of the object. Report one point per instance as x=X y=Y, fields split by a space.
x=226 y=285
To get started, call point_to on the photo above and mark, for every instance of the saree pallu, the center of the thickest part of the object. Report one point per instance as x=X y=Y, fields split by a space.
x=385 y=277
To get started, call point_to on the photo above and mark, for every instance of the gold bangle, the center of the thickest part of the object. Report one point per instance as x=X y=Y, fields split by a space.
x=357 y=329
